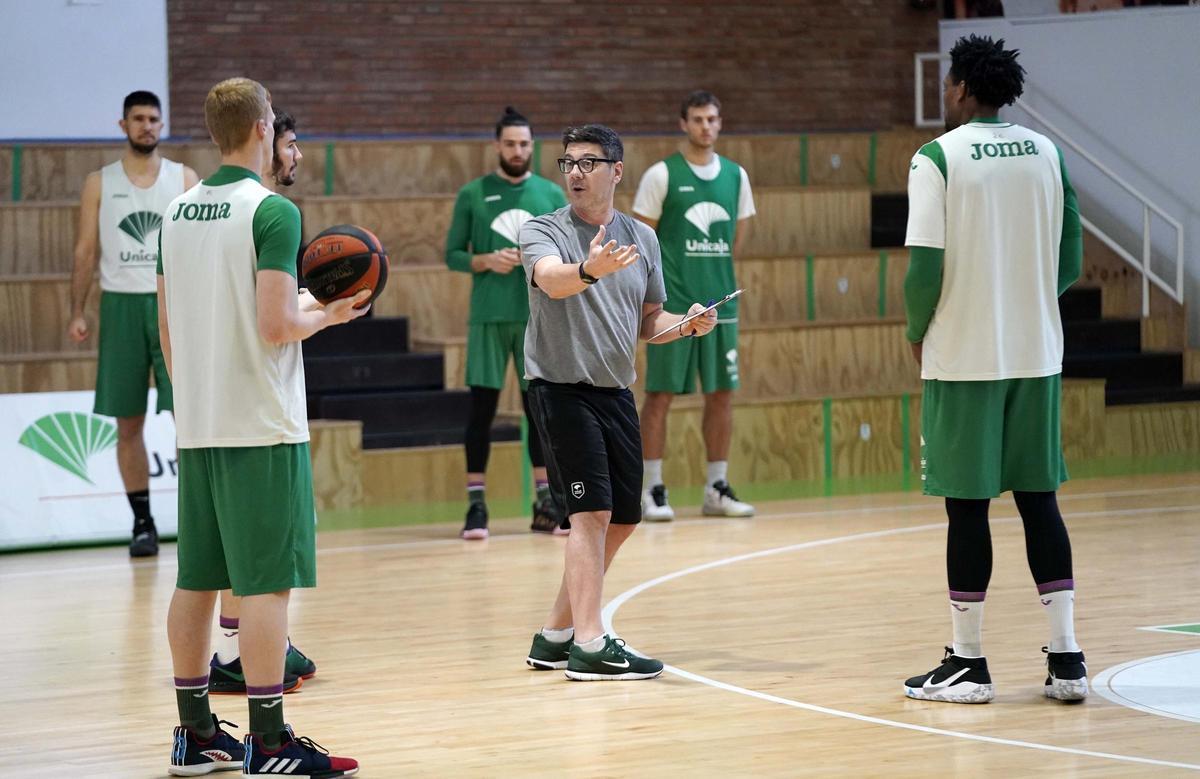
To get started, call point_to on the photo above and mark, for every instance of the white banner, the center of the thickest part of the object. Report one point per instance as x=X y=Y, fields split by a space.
x=59 y=481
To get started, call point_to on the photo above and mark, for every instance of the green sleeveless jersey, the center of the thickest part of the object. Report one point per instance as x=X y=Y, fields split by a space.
x=488 y=215
x=696 y=232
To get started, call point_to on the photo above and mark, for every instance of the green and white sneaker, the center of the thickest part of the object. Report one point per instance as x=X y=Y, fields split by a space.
x=547 y=655
x=613 y=662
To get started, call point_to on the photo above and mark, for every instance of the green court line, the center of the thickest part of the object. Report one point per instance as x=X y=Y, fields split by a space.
x=827 y=427
x=329 y=168
x=883 y=270
x=1190 y=629
x=810 y=294
x=526 y=466
x=905 y=433
x=871 y=154
x=17 y=153
x=803 y=160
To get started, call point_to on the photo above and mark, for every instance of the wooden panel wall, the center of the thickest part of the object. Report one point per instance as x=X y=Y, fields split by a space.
x=838 y=158
x=894 y=150
x=412 y=229
x=434 y=298
x=47 y=372
x=36 y=313
x=792 y=221
x=6 y=163
x=454 y=362
x=1083 y=418
x=1153 y=429
x=435 y=473
x=336 y=449
x=37 y=238
x=398 y=168
x=56 y=172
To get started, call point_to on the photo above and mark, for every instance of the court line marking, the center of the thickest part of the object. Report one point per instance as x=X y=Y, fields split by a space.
x=710 y=521
x=611 y=608
x=1102 y=684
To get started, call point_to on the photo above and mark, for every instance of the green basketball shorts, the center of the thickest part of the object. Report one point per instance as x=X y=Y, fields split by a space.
x=129 y=351
x=673 y=367
x=488 y=348
x=982 y=438
x=246 y=519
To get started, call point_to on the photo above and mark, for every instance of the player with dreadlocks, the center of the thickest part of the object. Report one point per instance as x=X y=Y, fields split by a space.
x=995 y=239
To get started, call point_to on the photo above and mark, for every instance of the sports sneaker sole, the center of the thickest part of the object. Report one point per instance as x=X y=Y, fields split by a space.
x=976 y=693
x=711 y=512
x=207 y=768
x=580 y=676
x=545 y=665
x=658 y=518
x=1067 y=689
x=476 y=534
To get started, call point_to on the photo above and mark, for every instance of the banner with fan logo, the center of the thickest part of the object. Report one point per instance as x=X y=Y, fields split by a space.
x=59 y=481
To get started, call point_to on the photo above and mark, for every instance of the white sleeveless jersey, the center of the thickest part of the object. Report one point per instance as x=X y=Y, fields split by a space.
x=231 y=388
x=991 y=195
x=129 y=221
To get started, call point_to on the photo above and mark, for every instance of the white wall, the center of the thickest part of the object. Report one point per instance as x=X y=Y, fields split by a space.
x=67 y=65
x=1125 y=85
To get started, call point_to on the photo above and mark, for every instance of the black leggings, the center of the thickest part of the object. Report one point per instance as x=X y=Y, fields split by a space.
x=969 y=541
x=478 y=439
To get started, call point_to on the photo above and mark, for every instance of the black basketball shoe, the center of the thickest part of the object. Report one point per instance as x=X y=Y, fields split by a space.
x=956 y=680
x=1066 y=676
x=145 y=539
x=476 y=524
x=546 y=516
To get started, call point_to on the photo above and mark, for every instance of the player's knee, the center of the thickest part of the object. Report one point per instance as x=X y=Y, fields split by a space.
x=129 y=428
x=658 y=401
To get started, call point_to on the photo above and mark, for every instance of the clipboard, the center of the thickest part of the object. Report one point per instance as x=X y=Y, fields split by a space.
x=700 y=313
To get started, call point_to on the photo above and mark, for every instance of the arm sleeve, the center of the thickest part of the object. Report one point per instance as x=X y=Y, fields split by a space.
x=651 y=192
x=536 y=243
x=159 y=269
x=277 y=234
x=745 y=198
x=458 y=239
x=656 y=288
x=922 y=289
x=927 y=198
x=1070 y=246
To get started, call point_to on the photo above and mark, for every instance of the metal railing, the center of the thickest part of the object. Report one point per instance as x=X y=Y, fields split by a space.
x=1149 y=208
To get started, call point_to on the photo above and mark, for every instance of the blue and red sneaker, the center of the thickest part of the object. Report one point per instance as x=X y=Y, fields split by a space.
x=192 y=757
x=300 y=758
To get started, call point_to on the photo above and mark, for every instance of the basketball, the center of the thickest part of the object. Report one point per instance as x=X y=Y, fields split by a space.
x=342 y=260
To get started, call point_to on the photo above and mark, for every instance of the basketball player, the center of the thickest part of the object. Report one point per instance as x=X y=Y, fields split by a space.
x=120 y=212
x=225 y=668
x=700 y=205
x=482 y=241
x=231 y=321
x=995 y=239
x=596 y=287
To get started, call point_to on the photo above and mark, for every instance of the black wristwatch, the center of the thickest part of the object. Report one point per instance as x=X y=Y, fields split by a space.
x=586 y=277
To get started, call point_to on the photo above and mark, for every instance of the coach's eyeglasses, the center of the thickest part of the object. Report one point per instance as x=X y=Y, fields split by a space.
x=586 y=165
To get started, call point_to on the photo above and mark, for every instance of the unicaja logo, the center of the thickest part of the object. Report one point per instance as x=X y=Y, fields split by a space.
x=140 y=224
x=509 y=223
x=704 y=214
x=69 y=439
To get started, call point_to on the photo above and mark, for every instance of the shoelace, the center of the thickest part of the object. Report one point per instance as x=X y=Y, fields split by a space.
x=658 y=494
x=308 y=743
x=725 y=491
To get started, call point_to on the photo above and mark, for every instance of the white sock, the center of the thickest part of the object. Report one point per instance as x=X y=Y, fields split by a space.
x=652 y=473
x=717 y=472
x=595 y=645
x=967 y=618
x=1060 y=608
x=227 y=642
x=558 y=636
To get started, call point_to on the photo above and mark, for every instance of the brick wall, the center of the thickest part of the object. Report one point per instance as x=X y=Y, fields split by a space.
x=449 y=67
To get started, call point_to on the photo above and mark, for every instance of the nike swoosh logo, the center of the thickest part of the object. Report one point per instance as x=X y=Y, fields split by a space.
x=624 y=664
x=273 y=703
x=949 y=680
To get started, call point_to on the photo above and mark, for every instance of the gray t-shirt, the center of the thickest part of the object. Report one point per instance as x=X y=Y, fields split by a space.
x=590 y=337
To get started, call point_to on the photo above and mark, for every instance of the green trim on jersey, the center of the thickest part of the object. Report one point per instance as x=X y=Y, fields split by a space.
x=933 y=150
x=1070 y=245
x=277 y=234
x=488 y=214
x=228 y=174
x=696 y=233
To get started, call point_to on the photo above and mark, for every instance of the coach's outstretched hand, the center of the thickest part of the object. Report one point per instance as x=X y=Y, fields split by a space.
x=605 y=258
x=701 y=325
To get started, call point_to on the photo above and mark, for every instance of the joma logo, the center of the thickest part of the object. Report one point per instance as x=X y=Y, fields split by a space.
x=1002 y=150
x=201 y=212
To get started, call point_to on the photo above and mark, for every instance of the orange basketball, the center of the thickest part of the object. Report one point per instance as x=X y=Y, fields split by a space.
x=342 y=260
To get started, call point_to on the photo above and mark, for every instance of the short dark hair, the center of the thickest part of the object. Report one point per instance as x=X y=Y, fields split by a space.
x=608 y=139
x=698 y=99
x=511 y=118
x=992 y=73
x=140 y=97
x=284 y=122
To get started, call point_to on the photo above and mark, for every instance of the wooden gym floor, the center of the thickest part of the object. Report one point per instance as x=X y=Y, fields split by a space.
x=787 y=638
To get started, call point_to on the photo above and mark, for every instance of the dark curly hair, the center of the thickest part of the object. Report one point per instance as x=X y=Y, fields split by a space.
x=992 y=73
x=606 y=137
x=511 y=118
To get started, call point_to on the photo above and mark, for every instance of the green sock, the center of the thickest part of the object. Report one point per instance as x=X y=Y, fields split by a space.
x=191 y=696
x=475 y=493
x=266 y=714
x=543 y=492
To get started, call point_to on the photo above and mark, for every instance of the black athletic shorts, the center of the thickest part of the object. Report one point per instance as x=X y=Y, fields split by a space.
x=593 y=447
